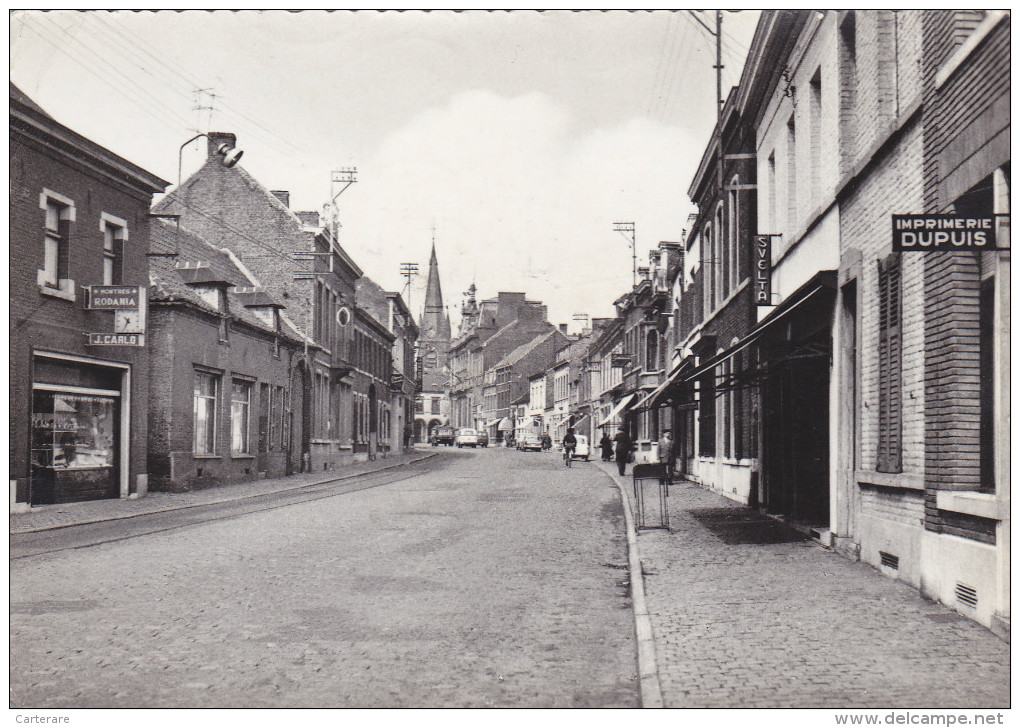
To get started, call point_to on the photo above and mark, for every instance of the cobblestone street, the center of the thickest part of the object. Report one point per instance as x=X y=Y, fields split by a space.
x=747 y=614
x=487 y=579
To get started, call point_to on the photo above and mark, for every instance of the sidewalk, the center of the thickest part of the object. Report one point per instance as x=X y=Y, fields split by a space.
x=748 y=614
x=44 y=518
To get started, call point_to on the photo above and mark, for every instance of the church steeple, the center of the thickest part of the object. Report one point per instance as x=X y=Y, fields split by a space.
x=435 y=323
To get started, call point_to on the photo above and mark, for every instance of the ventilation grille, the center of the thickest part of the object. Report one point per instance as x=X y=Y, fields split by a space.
x=890 y=560
x=966 y=594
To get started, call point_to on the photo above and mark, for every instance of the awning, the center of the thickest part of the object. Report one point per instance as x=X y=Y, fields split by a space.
x=580 y=425
x=820 y=281
x=617 y=409
x=490 y=423
x=656 y=395
x=505 y=425
x=560 y=422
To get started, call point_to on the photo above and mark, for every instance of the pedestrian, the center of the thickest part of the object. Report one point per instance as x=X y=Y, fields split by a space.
x=546 y=441
x=623 y=445
x=607 y=447
x=666 y=453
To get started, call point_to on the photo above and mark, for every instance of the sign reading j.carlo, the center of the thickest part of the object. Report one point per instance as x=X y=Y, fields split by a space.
x=763 y=270
x=929 y=233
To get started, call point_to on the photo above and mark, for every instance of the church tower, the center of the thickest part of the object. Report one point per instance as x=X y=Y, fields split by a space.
x=433 y=406
x=435 y=324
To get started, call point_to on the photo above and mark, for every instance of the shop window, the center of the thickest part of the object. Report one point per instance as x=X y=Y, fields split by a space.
x=73 y=431
x=890 y=385
x=240 y=408
x=206 y=386
x=114 y=232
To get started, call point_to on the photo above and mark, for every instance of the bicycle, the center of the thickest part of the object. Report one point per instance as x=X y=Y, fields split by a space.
x=568 y=456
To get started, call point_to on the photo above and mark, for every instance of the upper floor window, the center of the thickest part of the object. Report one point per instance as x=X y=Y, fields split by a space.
x=59 y=210
x=114 y=231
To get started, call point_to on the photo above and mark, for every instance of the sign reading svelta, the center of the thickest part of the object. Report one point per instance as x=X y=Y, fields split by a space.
x=931 y=233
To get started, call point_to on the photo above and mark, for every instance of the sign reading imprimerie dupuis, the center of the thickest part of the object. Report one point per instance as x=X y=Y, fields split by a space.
x=929 y=233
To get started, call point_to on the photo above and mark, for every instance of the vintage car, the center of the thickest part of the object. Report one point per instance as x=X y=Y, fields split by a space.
x=443 y=435
x=466 y=437
x=530 y=442
x=483 y=438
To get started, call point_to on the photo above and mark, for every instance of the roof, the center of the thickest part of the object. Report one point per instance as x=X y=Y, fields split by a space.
x=30 y=119
x=168 y=275
x=524 y=349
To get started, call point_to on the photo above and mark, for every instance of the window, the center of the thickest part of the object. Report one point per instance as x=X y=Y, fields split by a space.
x=240 y=404
x=419 y=406
x=205 y=413
x=56 y=246
x=706 y=412
x=435 y=405
x=791 y=175
x=114 y=232
x=772 y=221
x=890 y=394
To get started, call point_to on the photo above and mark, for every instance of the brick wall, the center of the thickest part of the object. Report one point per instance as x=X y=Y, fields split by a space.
x=966 y=125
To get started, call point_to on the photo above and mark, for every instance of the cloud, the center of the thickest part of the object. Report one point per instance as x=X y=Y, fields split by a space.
x=523 y=197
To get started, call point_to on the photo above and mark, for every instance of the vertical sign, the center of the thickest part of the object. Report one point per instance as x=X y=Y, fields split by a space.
x=763 y=270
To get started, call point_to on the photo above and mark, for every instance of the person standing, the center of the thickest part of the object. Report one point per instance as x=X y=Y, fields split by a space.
x=607 y=447
x=666 y=453
x=623 y=445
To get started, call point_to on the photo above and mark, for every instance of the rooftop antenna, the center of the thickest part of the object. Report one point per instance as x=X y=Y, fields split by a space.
x=627 y=229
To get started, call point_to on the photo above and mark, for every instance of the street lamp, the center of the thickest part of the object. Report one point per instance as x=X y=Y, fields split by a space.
x=229 y=156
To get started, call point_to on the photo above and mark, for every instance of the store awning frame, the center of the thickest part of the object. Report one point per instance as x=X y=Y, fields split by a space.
x=505 y=425
x=820 y=281
x=653 y=397
x=617 y=409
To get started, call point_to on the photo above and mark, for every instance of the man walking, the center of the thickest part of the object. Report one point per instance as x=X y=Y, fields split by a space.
x=666 y=453
x=622 y=440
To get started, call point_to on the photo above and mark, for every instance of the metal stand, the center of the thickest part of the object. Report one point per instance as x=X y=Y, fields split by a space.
x=651 y=485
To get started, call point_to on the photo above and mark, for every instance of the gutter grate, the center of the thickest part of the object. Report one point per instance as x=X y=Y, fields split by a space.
x=966 y=594
x=890 y=560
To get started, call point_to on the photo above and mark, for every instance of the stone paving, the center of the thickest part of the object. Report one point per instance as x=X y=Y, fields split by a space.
x=748 y=614
x=41 y=518
x=486 y=579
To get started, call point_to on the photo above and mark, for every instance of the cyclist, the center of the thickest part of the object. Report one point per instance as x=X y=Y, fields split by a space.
x=569 y=445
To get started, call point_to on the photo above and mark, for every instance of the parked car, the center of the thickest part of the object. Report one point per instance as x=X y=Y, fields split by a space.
x=443 y=435
x=530 y=442
x=483 y=438
x=466 y=437
x=581 y=451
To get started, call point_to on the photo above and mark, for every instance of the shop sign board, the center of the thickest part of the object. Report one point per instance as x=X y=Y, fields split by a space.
x=115 y=297
x=939 y=233
x=763 y=270
x=116 y=339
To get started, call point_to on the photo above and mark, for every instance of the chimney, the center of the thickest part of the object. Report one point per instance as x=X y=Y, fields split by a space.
x=309 y=218
x=216 y=138
x=563 y=329
x=283 y=196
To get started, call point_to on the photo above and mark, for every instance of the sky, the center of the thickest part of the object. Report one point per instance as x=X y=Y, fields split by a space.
x=513 y=139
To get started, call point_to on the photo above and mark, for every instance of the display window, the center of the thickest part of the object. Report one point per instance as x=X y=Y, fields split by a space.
x=74 y=431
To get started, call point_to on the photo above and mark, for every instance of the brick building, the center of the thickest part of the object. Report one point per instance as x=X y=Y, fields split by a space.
x=389 y=308
x=223 y=404
x=300 y=264
x=78 y=218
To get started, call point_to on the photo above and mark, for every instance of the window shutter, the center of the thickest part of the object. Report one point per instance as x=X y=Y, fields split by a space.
x=890 y=365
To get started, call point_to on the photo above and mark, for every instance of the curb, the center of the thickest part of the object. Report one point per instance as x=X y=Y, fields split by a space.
x=648 y=671
x=224 y=500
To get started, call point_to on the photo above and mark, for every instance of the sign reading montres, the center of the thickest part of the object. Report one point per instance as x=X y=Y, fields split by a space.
x=128 y=304
x=115 y=297
x=931 y=233
x=763 y=270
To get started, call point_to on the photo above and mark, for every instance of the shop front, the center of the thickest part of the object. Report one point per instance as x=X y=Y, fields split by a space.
x=79 y=422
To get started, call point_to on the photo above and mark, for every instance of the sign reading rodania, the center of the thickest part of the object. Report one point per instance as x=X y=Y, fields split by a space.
x=929 y=233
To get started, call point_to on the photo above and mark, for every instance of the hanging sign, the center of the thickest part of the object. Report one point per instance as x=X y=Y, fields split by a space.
x=115 y=297
x=763 y=270
x=931 y=233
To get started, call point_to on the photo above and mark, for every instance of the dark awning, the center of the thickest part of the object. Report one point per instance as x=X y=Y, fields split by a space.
x=659 y=393
x=822 y=280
